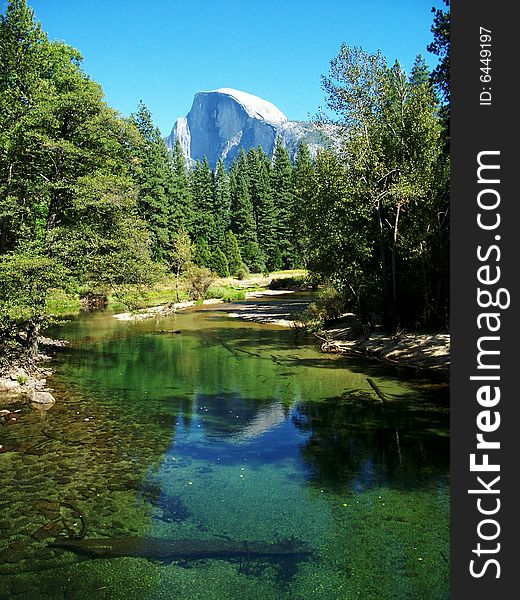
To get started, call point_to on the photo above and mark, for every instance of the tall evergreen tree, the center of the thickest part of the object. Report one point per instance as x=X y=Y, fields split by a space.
x=232 y=252
x=221 y=203
x=203 y=225
x=181 y=204
x=219 y=263
x=281 y=182
x=263 y=206
x=301 y=189
x=153 y=173
x=440 y=46
x=242 y=221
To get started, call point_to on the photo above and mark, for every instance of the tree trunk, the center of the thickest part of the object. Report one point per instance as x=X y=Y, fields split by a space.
x=394 y=268
x=3 y=237
x=382 y=253
x=177 y=283
x=33 y=332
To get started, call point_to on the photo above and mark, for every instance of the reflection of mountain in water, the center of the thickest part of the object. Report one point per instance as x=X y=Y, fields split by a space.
x=231 y=418
x=265 y=420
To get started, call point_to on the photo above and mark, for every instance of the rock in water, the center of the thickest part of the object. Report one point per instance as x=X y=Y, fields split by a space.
x=222 y=122
x=42 y=398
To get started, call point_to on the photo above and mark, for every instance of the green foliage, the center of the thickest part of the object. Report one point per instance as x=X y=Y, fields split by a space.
x=440 y=46
x=219 y=264
x=243 y=222
x=26 y=277
x=301 y=191
x=221 y=203
x=242 y=273
x=103 y=242
x=225 y=293
x=181 y=198
x=66 y=191
x=153 y=173
x=232 y=252
x=254 y=258
x=285 y=226
x=372 y=222
x=199 y=279
x=298 y=282
x=331 y=304
x=60 y=302
x=204 y=225
x=202 y=253
x=179 y=254
x=264 y=213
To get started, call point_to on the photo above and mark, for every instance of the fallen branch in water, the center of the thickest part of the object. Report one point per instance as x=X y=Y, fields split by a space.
x=376 y=389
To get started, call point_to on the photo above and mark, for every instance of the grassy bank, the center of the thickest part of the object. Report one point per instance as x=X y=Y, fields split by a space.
x=134 y=298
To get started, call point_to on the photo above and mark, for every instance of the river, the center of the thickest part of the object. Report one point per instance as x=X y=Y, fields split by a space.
x=203 y=427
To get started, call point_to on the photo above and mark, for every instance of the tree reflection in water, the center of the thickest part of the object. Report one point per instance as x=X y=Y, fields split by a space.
x=356 y=444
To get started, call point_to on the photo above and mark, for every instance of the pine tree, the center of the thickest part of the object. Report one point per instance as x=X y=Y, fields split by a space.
x=263 y=206
x=202 y=253
x=203 y=225
x=219 y=263
x=181 y=201
x=221 y=202
x=242 y=221
x=232 y=252
x=152 y=170
x=284 y=204
x=179 y=257
x=301 y=188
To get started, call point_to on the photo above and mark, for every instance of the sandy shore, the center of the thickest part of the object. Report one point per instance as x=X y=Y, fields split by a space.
x=421 y=352
x=163 y=310
x=167 y=309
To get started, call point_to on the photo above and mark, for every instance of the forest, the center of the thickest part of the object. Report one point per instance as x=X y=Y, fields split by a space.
x=92 y=202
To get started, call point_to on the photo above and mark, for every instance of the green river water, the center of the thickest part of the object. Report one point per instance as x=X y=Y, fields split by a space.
x=225 y=431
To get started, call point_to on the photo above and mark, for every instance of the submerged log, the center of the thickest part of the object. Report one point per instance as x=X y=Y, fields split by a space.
x=182 y=549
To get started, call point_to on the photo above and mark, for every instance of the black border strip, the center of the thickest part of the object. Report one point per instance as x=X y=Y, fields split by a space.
x=476 y=127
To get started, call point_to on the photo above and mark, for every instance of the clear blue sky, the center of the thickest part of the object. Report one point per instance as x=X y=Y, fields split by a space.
x=163 y=51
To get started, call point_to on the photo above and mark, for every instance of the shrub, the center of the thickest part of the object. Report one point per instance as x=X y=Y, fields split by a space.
x=243 y=273
x=331 y=303
x=199 y=279
x=288 y=283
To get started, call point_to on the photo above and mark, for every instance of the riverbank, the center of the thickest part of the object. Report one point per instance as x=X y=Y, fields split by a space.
x=23 y=378
x=426 y=353
x=165 y=310
x=423 y=353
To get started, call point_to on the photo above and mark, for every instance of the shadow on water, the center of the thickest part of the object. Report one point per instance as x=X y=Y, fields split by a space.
x=356 y=443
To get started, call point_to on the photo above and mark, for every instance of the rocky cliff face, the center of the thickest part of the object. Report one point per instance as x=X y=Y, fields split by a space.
x=222 y=122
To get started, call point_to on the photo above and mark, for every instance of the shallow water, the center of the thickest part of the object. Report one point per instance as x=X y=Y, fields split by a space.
x=225 y=431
